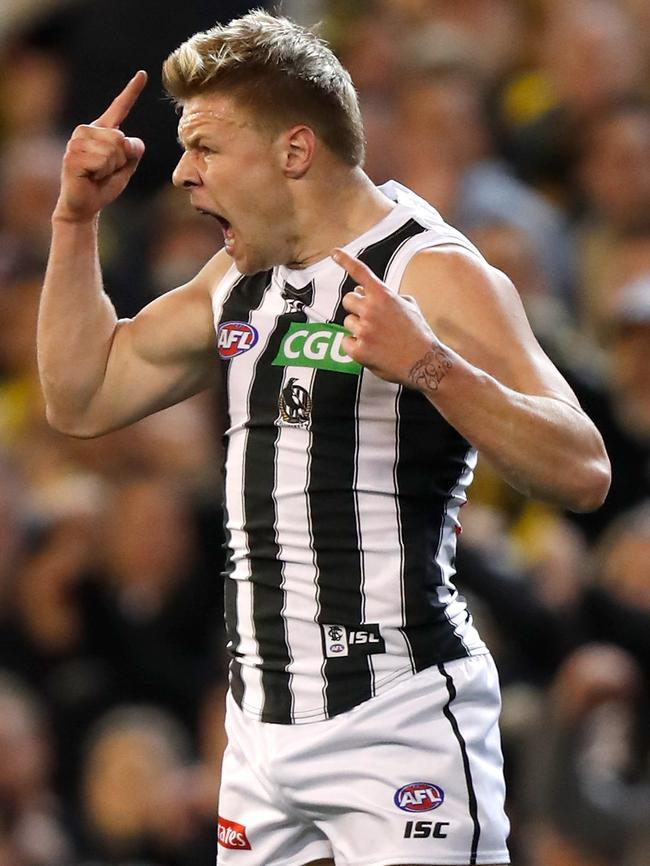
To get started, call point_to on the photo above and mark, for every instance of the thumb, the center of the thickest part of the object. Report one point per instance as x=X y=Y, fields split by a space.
x=134 y=148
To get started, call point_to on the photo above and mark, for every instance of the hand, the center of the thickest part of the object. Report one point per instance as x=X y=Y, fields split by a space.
x=99 y=159
x=388 y=333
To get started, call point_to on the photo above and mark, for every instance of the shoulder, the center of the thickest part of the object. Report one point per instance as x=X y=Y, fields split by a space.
x=183 y=316
x=450 y=269
x=199 y=290
x=197 y=294
x=451 y=283
x=475 y=309
x=207 y=281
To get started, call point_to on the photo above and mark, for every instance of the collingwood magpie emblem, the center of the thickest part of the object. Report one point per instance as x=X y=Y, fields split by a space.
x=297 y=299
x=294 y=404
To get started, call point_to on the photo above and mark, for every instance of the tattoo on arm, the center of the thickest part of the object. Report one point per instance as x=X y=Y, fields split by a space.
x=429 y=371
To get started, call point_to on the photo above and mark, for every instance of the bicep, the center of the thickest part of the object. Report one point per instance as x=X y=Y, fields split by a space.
x=165 y=354
x=477 y=312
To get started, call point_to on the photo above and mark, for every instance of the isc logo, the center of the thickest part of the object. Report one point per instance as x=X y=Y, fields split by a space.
x=419 y=797
x=426 y=830
x=234 y=338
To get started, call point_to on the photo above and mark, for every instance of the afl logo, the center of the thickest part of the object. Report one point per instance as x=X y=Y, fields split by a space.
x=419 y=797
x=235 y=338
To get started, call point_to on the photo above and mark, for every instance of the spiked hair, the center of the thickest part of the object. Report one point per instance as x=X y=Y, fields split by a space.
x=283 y=73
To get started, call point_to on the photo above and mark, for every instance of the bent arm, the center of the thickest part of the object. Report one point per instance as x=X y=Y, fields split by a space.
x=459 y=334
x=498 y=388
x=544 y=447
x=99 y=373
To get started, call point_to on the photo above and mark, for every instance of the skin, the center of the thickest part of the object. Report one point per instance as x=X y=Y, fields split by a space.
x=477 y=362
x=98 y=373
x=230 y=161
x=482 y=368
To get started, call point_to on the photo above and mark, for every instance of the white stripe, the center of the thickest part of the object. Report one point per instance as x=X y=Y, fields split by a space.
x=455 y=609
x=379 y=519
x=295 y=544
x=400 y=531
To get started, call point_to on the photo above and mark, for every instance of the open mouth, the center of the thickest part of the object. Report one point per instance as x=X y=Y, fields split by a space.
x=226 y=227
x=223 y=222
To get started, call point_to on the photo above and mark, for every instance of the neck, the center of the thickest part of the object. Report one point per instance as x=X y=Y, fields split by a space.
x=333 y=213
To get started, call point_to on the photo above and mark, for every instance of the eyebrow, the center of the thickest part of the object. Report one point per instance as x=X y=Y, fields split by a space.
x=192 y=141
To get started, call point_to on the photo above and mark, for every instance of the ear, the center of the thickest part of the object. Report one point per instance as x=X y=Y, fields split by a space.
x=299 y=147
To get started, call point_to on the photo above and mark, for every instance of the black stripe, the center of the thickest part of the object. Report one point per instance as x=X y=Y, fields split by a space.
x=400 y=535
x=260 y=519
x=245 y=296
x=332 y=500
x=471 y=795
x=431 y=459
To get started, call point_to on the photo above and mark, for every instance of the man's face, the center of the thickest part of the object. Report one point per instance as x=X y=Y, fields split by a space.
x=233 y=170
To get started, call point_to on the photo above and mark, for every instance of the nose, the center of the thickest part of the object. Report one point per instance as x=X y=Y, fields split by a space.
x=185 y=174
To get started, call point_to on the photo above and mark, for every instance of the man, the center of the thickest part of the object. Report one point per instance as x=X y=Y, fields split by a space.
x=363 y=705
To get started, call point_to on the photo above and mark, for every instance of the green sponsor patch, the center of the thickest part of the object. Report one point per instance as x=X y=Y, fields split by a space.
x=315 y=345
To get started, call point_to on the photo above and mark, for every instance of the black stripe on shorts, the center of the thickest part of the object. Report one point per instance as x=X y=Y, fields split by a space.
x=471 y=794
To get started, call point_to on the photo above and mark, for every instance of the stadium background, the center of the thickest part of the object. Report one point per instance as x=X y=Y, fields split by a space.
x=527 y=123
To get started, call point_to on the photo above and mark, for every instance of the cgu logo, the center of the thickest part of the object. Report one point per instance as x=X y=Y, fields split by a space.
x=235 y=338
x=232 y=835
x=315 y=345
x=419 y=797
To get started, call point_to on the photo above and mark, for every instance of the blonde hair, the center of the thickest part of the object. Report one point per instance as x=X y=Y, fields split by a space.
x=280 y=71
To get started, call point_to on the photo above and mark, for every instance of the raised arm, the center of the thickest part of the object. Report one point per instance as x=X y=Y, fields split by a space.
x=459 y=334
x=98 y=373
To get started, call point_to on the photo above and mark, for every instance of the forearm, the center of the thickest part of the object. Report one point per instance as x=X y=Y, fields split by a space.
x=76 y=323
x=541 y=445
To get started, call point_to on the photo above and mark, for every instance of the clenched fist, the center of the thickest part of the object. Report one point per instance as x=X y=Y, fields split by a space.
x=99 y=159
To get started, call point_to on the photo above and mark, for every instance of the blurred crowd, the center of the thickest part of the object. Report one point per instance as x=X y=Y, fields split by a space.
x=527 y=124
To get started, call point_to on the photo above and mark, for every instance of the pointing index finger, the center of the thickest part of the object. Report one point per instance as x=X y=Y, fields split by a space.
x=359 y=271
x=120 y=107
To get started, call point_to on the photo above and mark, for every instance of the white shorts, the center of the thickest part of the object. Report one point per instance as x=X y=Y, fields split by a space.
x=414 y=775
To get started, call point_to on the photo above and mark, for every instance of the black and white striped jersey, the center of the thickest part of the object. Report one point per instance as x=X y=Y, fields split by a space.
x=342 y=491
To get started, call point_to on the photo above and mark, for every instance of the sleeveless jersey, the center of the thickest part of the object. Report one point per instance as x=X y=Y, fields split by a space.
x=342 y=491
